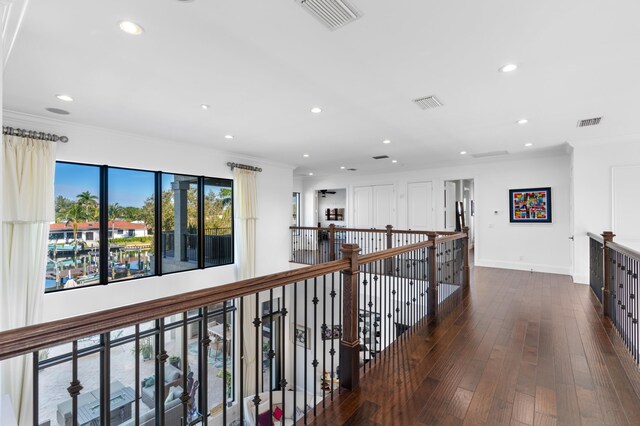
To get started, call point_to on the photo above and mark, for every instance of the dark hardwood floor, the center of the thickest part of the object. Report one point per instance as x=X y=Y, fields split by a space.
x=523 y=348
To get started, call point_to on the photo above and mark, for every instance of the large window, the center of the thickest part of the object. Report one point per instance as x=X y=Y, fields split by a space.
x=131 y=223
x=295 y=217
x=114 y=224
x=180 y=207
x=73 y=255
x=218 y=213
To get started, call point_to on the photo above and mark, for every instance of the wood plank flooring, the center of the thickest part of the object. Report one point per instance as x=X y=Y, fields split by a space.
x=522 y=349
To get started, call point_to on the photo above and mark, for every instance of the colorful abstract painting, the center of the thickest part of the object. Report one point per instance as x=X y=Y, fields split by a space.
x=530 y=205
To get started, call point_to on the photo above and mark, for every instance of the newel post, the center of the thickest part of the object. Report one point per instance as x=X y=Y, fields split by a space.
x=389 y=263
x=465 y=267
x=332 y=242
x=607 y=236
x=432 y=294
x=350 y=342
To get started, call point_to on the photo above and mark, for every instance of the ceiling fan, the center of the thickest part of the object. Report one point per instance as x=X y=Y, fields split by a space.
x=324 y=192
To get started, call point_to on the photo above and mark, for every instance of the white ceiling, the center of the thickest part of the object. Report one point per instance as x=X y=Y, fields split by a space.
x=262 y=65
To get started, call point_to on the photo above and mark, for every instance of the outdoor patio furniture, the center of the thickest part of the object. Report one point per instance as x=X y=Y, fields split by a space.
x=172 y=412
x=89 y=406
x=172 y=377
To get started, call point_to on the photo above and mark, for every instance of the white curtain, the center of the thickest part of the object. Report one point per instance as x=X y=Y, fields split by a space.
x=27 y=203
x=245 y=209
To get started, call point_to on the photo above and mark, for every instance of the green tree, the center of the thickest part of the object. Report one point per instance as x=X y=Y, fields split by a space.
x=89 y=204
x=147 y=214
x=115 y=210
x=74 y=215
x=62 y=204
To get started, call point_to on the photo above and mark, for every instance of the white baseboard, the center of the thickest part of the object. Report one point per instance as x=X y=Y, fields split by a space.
x=581 y=279
x=550 y=269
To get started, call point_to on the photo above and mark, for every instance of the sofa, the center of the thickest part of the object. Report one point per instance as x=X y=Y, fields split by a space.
x=172 y=412
x=172 y=378
x=249 y=407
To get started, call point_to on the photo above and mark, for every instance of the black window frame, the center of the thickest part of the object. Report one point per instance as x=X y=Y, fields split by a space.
x=103 y=207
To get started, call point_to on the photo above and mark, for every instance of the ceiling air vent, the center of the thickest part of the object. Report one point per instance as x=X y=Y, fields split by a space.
x=428 y=102
x=333 y=14
x=380 y=157
x=589 y=122
x=490 y=154
x=352 y=170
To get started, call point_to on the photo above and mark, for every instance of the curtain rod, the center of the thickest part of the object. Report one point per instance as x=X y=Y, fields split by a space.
x=244 y=166
x=34 y=134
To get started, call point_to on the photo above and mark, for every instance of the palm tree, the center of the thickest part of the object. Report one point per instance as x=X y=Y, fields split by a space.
x=115 y=210
x=90 y=204
x=74 y=216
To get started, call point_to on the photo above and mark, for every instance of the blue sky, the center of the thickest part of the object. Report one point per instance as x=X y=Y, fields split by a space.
x=126 y=187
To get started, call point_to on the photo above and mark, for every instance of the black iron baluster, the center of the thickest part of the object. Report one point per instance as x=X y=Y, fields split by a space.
x=295 y=349
x=136 y=403
x=257 y=323
x=271 y=351
x=315 y=342
x=283 y=364
x=35 y=364
x=106 y=375
x=325 y=333
x=307 y=342
x=332 y=351
x=74 y=387
x=241 y=358
x=185 y=397
x=225 y=393
x=341 y=325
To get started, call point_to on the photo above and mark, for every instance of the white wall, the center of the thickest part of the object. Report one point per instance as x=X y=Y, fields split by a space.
x=592 y=169
x=541 y=247
x=102 y=146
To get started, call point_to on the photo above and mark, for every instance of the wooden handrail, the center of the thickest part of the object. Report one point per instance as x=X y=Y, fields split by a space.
x=634 y=254
x=380 y=231
x=379 y=255
x=596 y=237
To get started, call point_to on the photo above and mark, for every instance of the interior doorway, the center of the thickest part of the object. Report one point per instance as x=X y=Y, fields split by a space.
x=332 y=205
x=460 y=190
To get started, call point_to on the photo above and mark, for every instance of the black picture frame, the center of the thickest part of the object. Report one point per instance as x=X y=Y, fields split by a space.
x=530 y=205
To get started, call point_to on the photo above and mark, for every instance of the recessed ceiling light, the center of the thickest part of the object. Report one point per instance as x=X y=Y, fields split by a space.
x=394 y=161
x=386 y=141
x=316 y=110
x=342 y=167
x=528 y=144
x=463 y=152
x=310 y=174
x=131 y=28
x=205 y=106
x=65 y=98
x=523 y=121
x=508 y=68
x=228 y=136
x=305 y=155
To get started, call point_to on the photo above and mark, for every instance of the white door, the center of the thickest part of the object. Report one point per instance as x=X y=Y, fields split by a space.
x=626 y=203
x=362 y=211
x=450 y=206
x=383 y=206
x=420 y=206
